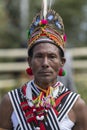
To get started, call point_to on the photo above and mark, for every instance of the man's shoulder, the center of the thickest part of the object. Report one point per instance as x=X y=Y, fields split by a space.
x=6 y=110
x=5 y=99
x=5 y=102
x=80 y=103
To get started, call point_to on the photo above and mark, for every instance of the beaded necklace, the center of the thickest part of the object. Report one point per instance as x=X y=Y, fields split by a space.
x=45 y=101
x=35 y=109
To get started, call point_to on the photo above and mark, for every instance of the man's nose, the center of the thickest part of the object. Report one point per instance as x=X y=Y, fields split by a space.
x=45 y=62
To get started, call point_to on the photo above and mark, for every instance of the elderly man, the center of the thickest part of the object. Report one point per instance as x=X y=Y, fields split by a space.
x=44 y=103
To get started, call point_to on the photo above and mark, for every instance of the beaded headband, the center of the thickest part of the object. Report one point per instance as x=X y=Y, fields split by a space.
x=47 y=25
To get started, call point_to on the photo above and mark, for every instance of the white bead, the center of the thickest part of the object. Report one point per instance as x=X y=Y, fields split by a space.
x=46 y=110
x=34 y=110
x=37 y=128
x=42 y=117
x=37 y=117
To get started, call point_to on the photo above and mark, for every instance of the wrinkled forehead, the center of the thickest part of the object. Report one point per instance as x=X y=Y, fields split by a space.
x=45 y=47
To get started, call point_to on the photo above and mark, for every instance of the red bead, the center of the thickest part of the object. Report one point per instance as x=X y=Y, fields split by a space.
x=29 y=71
x=61 y=72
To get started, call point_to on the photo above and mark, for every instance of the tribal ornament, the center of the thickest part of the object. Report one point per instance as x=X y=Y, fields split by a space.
x=38 y=110
x=47 y=25
x=41 y=118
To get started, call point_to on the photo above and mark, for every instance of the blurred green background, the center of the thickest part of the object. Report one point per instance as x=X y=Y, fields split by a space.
x=16 y=16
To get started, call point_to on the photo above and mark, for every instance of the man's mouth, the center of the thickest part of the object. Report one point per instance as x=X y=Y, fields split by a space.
x=45 y=73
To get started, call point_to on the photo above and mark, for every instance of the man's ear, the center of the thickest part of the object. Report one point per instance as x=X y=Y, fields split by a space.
x=63 y=60
x=29 y=60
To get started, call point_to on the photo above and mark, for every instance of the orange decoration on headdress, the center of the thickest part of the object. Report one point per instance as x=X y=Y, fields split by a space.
x=49 y=28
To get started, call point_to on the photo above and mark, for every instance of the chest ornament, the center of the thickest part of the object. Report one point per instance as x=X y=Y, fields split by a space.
x=36 y=109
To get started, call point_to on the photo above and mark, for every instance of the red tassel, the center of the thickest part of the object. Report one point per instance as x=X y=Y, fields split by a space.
x=42 y=127
x=65 y=38
x=61 y=72
x=29 y=71
x=24 y=106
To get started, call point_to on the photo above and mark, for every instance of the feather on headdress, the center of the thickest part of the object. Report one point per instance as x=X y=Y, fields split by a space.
x=46 y=5
x=47 y=26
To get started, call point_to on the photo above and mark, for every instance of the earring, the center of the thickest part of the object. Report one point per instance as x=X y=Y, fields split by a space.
x=65 y=37
x=29 y=71
x=61 y=72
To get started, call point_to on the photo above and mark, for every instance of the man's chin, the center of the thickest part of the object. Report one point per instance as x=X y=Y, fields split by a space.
x=45 y=76
x=45 y=79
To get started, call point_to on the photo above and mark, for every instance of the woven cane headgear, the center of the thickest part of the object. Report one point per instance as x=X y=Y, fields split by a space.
x=47 y=26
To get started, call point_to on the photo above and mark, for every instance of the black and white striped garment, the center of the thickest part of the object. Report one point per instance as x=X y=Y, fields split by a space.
x=51 y=120
x=18 y=127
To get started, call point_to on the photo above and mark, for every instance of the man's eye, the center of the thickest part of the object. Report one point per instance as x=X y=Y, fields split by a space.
x=38 y=56
x=52 y=56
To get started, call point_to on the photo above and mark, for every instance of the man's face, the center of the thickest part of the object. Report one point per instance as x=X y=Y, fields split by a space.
x=45 y=63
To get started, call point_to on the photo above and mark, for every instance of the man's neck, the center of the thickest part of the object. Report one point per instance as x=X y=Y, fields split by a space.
x=44 y=85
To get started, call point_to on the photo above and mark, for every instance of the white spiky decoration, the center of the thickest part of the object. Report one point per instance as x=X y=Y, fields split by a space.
x=50 y=3
x=46 y=4
x=44 y=8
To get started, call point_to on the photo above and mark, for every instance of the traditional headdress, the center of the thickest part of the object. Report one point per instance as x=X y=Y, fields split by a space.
x=47 y=26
